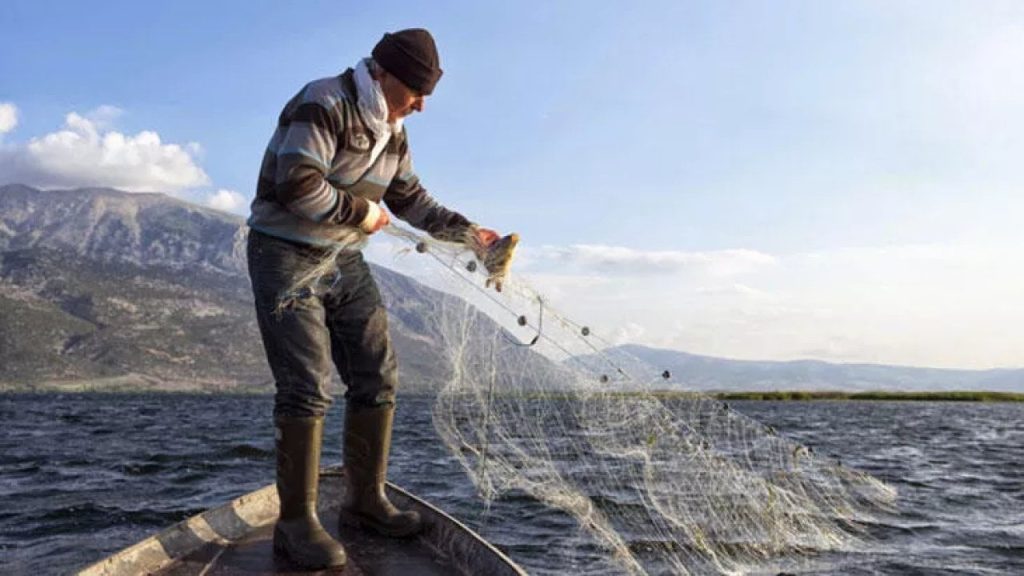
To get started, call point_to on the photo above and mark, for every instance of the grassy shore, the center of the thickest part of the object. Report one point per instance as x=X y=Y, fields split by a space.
x=951 y=396
x=795 y=395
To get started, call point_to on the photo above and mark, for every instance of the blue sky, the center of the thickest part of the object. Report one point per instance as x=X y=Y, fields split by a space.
x=837 y=180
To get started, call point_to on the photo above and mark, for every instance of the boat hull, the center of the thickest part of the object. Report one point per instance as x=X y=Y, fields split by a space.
x=236 y=539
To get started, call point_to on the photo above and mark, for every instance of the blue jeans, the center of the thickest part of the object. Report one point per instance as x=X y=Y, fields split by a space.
x=340 y=320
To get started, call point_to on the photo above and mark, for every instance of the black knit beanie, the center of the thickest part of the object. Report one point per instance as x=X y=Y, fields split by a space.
x=411 y=56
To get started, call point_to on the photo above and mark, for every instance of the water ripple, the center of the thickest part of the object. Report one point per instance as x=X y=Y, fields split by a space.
x=83 y=476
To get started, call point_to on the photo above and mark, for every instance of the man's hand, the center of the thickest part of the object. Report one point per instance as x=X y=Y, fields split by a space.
x=485 y=236
x=495 y=252
x=376 y=218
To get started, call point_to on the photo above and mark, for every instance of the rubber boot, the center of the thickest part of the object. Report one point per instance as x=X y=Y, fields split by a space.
x=367 y=443
x=298 y=534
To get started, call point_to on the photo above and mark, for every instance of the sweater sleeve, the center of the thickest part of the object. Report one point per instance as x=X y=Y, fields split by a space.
x=409 y=200
x=310 y=138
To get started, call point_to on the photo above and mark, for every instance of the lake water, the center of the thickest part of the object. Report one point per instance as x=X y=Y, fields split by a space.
x=82 y=476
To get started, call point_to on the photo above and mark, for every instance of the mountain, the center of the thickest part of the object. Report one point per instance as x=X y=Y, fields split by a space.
x=103 y=225
x=101 y=289
x=692 y=372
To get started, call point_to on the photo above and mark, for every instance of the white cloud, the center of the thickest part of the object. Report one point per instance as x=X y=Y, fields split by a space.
x=952 y=305
x=8 y=117
x=619 y=260
x=103 y=118
x=627 y=333
x=86 y=153
x=226 y=200
x=733 y=290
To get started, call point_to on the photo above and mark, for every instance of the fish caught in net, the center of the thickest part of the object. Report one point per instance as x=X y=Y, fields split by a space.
x=664 y=483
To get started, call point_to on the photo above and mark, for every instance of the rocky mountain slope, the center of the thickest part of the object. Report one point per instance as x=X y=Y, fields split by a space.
x=101 y=289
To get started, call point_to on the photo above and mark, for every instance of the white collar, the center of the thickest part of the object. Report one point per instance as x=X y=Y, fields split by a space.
x=372 y=104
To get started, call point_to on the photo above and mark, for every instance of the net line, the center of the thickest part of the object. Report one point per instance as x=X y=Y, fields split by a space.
x=536 y=403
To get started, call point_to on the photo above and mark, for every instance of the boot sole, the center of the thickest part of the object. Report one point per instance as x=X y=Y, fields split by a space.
x=281 y=553
x=355 y=521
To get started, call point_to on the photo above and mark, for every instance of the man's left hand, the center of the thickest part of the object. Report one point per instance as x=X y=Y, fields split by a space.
x=495 y=252
x=485 y=236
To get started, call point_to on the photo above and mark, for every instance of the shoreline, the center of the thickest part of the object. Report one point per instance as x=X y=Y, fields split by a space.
x=875 y=395
x=91 y=388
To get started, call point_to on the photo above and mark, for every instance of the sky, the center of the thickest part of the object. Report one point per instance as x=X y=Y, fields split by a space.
x=758 y=180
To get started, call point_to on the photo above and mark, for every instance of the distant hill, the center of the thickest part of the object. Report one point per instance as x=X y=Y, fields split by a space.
x=693 y=372
x=101 y=289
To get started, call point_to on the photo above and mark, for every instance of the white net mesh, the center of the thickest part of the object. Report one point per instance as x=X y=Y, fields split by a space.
x=676 y=483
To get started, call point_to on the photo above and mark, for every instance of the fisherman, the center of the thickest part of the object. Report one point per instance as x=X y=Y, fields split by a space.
x=339 y=149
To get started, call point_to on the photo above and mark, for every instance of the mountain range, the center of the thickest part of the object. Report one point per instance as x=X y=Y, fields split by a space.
x=107 y=290
x=691 y=371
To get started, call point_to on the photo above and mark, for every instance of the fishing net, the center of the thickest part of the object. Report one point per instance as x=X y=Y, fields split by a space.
x=666 y=483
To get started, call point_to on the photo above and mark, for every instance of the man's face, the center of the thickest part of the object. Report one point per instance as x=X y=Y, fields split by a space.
x=402 y=100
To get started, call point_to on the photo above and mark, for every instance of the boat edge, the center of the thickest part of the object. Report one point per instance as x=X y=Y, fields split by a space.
x=234 y=520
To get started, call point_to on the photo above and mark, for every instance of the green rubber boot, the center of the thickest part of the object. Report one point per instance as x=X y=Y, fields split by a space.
x=298 y=535
x=367 y=443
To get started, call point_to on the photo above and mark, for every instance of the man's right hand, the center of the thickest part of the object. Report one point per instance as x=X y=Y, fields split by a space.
x=376 y=218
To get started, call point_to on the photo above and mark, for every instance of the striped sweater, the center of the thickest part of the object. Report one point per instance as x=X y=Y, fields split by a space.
x=317 y=176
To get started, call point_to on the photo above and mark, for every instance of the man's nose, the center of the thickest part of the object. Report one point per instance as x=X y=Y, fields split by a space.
x=418 y=103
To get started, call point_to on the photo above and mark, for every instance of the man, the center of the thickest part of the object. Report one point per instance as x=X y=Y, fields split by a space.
x=339 y=149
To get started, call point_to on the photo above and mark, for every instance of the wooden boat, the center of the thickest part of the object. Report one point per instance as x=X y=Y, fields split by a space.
x=235 y=539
